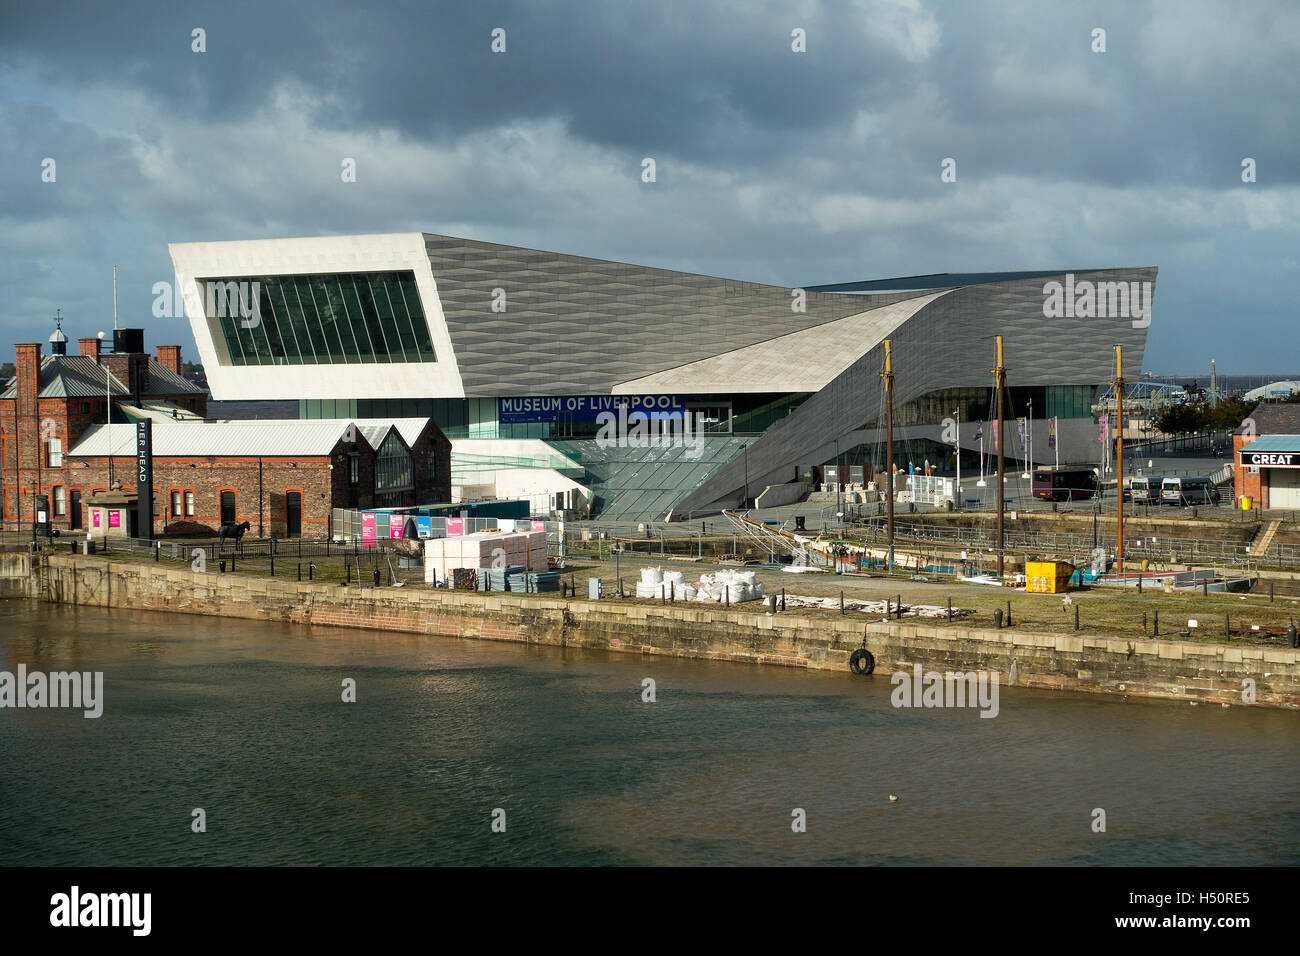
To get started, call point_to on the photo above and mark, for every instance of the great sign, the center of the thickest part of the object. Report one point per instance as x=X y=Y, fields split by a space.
x=1271 y=459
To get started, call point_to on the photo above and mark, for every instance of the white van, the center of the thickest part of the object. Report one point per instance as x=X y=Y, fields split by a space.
x=1145 y=489
x=1188 y=491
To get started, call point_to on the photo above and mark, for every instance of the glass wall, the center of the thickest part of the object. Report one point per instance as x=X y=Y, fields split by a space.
x=336 y=318
x=394 y=470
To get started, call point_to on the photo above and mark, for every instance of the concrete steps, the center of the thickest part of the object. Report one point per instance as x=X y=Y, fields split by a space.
x=1265 y=537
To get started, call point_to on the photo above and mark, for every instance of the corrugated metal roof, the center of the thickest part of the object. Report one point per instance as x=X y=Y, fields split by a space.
x=1268 y=444
x=263 y=438
x=267 y=439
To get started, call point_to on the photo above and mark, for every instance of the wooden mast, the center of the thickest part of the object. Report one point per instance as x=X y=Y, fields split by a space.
x=1000 y=379
x=888 y=376
x=1119 y=454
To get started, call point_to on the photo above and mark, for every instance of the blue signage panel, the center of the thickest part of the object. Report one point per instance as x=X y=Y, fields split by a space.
x=582 y=408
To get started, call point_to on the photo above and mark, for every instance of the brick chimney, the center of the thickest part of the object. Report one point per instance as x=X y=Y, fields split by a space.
x=27 y=362
x=169 y=356
x=89 y=347
x=131 y=369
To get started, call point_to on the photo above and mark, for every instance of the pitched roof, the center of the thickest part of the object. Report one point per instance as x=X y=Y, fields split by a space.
x=80 y=376
x=265 y=438
x=1273 y=418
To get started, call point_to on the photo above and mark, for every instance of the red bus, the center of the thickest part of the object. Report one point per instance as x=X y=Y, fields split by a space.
x=1065 y=484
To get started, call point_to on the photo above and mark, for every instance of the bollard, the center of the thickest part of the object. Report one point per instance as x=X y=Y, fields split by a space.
x=1008 y=613
x=1076 y=617
x=672 y=592
x=348 y=568
x=1227 y=627
x=376 y=577
x=997 y=617
x=1270 y=592
x=223 y=566
x=157 y=546
x=842 y=604
x=950 y=610
x=898 y=608
x=1155 y=624
x=272 y=564
x=726 y=592
x=299 y=570
x=783 y=599
x=1205 y=589
x=1139 y=583
x=232 y=562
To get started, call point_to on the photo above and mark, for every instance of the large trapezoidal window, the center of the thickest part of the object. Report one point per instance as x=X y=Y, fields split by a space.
x=331 y=318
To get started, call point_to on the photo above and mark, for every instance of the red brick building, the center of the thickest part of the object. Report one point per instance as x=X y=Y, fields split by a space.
x=53 y=400
x=282 y=477
x=1266 y=456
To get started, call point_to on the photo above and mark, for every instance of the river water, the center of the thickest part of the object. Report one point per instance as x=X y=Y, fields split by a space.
x=245 y=720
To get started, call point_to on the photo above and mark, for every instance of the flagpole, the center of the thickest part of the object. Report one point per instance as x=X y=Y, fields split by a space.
x=958 y=417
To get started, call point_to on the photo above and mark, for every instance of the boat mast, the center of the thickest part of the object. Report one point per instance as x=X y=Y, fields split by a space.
x=1000 y=379
x=888 y=376
x=1119 y=453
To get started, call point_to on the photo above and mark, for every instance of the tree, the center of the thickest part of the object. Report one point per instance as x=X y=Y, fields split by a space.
x=1182 y=418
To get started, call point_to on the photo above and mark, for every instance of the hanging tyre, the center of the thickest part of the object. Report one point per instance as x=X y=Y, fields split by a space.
x=861 y=661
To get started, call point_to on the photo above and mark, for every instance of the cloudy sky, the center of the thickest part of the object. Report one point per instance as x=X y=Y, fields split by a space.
x=772 y=166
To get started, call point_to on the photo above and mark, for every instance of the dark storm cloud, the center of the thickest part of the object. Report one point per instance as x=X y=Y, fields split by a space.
x=772 y=166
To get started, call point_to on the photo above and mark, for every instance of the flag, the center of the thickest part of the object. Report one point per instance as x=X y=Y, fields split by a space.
x=979 y=431
x=1051 y=433
x=1020 y=430
x=1104 y=428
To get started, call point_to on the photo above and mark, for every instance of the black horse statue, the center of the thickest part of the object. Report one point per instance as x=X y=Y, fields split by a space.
x=235 y=531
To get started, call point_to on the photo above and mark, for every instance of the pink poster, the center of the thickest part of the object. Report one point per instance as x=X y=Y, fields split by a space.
x=115 y=519
x=539 y=525
x=395 y=526
x=368 y=529
x=94 y=518
x=455 y=526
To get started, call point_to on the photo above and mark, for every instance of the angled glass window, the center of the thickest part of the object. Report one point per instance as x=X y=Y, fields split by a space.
x=330 y=318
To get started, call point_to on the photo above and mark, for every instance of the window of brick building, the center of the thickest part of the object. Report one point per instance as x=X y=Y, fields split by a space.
x=176 y=504
x=189 y=504
x=54 y=452
x=60 y=501
x=85 y=408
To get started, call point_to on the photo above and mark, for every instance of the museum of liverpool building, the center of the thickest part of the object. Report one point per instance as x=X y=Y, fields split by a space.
x=631 y=393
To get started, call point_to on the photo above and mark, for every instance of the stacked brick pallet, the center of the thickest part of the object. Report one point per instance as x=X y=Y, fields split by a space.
x=487 y=549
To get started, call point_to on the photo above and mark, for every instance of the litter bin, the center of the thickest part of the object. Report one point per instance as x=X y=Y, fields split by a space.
x=1247 y=502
